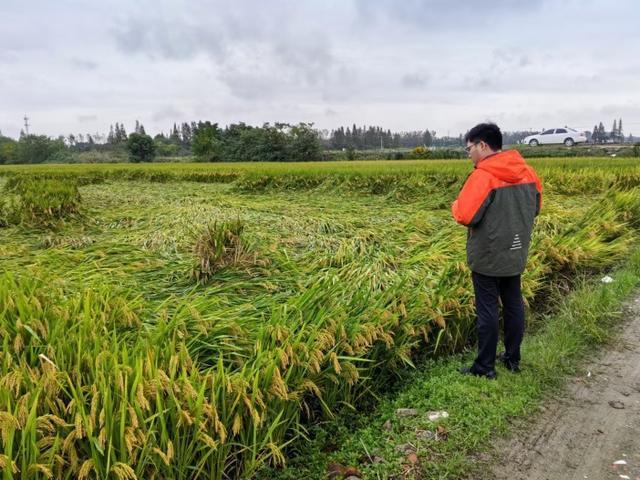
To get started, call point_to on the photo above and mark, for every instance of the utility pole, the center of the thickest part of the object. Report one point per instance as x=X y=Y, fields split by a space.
x=26 y=124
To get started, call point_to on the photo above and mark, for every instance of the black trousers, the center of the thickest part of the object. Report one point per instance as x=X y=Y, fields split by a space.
x=487 y=291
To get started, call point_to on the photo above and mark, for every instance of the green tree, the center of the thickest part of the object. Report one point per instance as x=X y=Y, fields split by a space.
x=427 y=138
x=351 y=153
x=121 y=134
x=111 y=138
x=164 y=147
x=338 y=140
x=141 y=148
x=266 y=144
x=601 y=132
x=8 y=150
x=174 y=135
x=37 y=149
x=139 y=128
x=185 y=131
x=304 y=144
x=206 y=144
x=114 y=136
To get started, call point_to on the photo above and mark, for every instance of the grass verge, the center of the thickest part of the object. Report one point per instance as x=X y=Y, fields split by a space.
x=385 y=445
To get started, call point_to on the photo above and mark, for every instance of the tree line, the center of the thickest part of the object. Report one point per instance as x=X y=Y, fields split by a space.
x=616 y=135
x=209 y=142
x=375 y=137
x=280 y=142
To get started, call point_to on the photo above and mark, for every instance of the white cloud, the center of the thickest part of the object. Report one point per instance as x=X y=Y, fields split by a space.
x=74 y=67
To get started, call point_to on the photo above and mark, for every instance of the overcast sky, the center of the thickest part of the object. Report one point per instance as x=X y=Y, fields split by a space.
x=77 y=67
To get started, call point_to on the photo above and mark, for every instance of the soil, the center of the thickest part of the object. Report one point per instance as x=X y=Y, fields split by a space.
x=593 y=431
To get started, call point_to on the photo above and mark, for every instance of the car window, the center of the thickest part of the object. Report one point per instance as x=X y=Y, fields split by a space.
x=547 y=132
x=561 y=130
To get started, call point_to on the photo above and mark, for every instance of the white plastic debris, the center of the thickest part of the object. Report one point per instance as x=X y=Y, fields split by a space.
x=433 y=416
x=625 y=477
x=589 y=374
x=606 y=279
x=406 y=412
x=620 y=462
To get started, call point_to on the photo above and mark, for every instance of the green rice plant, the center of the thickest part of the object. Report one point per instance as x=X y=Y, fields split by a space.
x=219 y=246
x=43 y=202
x=115 y=365
x=8 y=210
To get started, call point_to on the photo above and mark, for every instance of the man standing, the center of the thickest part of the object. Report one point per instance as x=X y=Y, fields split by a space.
x=498 y=204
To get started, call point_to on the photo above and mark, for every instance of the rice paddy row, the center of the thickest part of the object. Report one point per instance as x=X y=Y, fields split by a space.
x=188 y=329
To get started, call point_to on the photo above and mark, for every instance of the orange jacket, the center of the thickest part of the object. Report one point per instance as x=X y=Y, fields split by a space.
x=498 y=203
x=503 y=169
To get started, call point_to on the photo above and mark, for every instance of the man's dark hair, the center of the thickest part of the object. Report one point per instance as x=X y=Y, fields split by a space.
x=488 y=133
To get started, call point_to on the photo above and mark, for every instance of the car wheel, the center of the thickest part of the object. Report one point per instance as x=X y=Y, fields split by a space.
x=569 y=142
x=533 y=143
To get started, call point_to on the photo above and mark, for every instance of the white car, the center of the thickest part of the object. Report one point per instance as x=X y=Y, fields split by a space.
x=565 y=135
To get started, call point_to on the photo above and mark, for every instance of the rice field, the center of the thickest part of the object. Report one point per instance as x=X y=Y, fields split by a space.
x=192 y=320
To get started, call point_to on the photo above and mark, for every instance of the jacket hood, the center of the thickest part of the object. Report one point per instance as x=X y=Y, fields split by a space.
x=508 y=166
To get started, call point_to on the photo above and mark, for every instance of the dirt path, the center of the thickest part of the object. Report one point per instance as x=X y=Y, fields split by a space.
x=595 y=425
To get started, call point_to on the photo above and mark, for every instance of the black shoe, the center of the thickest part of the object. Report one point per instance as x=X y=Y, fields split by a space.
x=490 y=375
x=509 y=364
